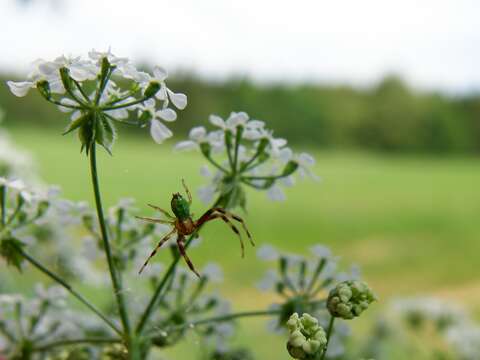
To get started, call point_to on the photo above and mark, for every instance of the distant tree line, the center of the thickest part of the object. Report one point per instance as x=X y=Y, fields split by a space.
x=389 y=116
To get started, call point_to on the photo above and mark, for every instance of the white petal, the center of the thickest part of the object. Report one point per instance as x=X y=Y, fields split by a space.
x=162 y=93
x=160 y=73
x=159 y=132
x=206 y=193
x=66 y=101
x=306 y=159
x=20 y=88
x=217 y=121
x=255 y=124
x=197 y=133
x=205 y=171
x=276 y=194
x=213 y=272
x=236 y=119
x=178 y=99
x=186 y=145
x=268 y=253
x=75 y=115
x=321 y=251
x=167 y=114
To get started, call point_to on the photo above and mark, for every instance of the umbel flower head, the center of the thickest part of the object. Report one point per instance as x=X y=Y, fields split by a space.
x=306 y=337
x=253 y=158
x=102 y=90
x=349 y=299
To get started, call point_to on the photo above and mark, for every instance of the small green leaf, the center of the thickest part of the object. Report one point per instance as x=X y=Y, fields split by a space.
x=9 y=251
x=75 y=124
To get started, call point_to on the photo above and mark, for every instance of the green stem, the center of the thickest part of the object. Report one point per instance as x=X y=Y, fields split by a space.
x=227 y=317
x=217 y=165
x=329 y=334
x=238 y=138
x=3 y=204
x=58 y=343
x=158 y=291
x=79 y=87
x=68 y=287
x=108 y=251
x=106 y=108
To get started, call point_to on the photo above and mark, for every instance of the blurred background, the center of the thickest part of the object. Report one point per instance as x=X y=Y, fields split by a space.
x=385 y=95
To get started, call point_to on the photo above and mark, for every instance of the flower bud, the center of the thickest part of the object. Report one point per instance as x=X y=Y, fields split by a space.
x=205 y=148
x=290 y=168
x=44 y=88
x=145 y=117
x=349 y=299
x=151 y=89
x=66 y=79
x=307 y=338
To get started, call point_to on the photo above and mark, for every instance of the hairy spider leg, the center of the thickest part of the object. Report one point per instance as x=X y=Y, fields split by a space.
x=164 y=212
x=237 y=218
x=188 y=192
x=160 y=243
x=153 y=220
x=181 y=248
x=212 y=215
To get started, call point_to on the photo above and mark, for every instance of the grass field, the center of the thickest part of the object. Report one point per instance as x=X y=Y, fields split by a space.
x=410 y=222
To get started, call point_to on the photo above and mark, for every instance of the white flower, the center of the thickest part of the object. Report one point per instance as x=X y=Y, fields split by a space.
x=268 y=253
x=321 y=251
x=213 y=272
x=275 y=193
x=18 y=187
x=206 y=193
x=234 y=120
x=158 y=130
x=305 y=162
x=197 y=136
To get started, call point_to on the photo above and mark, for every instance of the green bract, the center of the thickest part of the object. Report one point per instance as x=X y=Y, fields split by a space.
x=349 y=299
x=307 y=338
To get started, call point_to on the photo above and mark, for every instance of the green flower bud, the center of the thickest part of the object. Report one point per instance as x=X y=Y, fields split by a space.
x=44 y=88
x=152 y=89
x=66 y=79
x=290 y=168
x=349 y=299
x=205 y=147
x=145 y=117
x=307 y=338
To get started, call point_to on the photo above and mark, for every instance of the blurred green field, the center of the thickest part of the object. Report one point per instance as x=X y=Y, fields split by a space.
x=410 y=223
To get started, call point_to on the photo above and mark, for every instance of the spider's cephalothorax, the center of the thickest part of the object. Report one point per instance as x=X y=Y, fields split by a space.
x=184 y=225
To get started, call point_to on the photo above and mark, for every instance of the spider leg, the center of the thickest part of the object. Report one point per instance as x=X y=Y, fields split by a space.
x=212 y=216
x=152 y=220
x=164 y=212
x=239 y=219
x=160 y=243
x=181 y=248
x=187 y=191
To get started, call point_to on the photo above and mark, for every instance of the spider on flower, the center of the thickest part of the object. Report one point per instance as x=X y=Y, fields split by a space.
x=184 y=225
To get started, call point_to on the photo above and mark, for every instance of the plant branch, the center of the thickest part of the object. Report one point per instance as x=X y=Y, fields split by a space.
x=108 y=251
x=67 y=342
x=329 y=334
x=68 y=287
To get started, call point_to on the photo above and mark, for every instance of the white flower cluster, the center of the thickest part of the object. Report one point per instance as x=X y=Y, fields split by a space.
x=119 y=88
x=251 y=150
x=454 y=325
x=39 y=320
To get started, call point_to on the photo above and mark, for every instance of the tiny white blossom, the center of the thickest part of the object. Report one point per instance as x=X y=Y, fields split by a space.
x=213 y=272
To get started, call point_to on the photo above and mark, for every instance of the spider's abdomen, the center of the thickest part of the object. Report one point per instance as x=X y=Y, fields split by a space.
x=180 y=207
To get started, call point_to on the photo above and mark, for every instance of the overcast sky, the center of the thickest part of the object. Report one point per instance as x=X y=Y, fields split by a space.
x=432 y=43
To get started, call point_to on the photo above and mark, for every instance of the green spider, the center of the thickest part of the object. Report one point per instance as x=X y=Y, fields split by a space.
x=184 y=225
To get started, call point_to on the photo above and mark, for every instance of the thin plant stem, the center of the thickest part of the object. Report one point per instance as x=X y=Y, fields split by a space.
x=106 y=108
x=329 y=334
x=226 y=317
x=108 y=251
x=3 y=204
x=69 y=288
x=55 y=344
